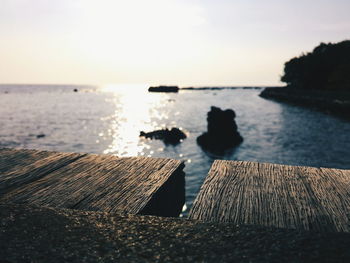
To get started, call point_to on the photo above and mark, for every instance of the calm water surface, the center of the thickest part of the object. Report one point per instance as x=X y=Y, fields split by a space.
x=109 y=119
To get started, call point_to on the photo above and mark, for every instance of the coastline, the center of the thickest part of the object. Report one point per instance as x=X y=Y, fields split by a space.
x=335 y=103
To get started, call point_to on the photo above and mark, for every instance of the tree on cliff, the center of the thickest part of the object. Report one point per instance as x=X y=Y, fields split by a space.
x=327 y=67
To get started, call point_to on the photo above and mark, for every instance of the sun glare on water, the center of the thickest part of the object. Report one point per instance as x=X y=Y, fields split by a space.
x=135 y=111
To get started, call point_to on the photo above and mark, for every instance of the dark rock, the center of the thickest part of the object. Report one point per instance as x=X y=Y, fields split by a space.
x=173 y=136
x=75 y=90
x=222 y=131
x=164 y=89
x=40 y=136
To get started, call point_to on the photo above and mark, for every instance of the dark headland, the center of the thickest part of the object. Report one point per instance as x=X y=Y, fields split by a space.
x=319 y=79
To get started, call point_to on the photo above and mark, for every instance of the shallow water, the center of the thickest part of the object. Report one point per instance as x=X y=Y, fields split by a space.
x=109 y=120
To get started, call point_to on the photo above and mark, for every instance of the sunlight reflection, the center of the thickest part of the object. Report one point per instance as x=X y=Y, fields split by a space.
x=135 y=111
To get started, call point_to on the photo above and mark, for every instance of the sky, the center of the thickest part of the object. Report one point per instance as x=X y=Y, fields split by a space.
x=175 y=42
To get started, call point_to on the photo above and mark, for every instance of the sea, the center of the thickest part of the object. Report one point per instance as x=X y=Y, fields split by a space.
x=108 y=120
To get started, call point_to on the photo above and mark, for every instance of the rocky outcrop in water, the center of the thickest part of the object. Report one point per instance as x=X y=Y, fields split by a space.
x=164 y=89
x=173 y=136
x=222 y=131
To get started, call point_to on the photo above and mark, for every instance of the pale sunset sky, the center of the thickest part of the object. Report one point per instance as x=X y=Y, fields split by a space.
x=183 y=42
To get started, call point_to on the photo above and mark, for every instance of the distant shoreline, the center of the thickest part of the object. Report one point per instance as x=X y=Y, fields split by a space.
x=93 y=86
x=223 y=88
